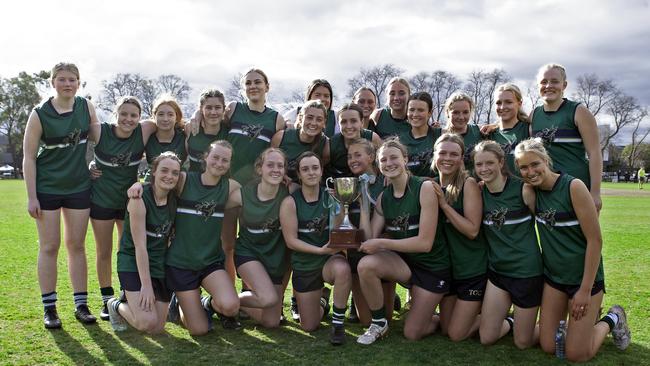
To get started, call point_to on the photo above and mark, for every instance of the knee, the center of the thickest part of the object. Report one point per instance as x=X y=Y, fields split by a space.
x=270 y=322
x=547 y=346
x=456 y=335
x=146 y=323
x=198 y=329
x=229 y=307
x=412 y=333
x=523 y=343
x=49 y=249
x=488 y=337
x=309 y=326
x=342 y=273
x=268 y=299
x=366 y=266
x=578 y=355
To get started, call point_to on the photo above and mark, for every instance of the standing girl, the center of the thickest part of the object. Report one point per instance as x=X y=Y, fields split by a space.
x=212 y=127
x=567 y=221
x=459 y=108
x=58 y=184
x=169 y=134
x=391 y=120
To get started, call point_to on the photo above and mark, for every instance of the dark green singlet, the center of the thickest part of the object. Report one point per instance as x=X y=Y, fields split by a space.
x=198 y=144
x=313 y=229
x=154 y=148
x=388 y=126
x=338 y=165
x=420 y=151
x=293 y=147
x=508 y=139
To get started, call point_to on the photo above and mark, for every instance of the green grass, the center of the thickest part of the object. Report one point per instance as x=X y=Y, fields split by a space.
x=23 y=341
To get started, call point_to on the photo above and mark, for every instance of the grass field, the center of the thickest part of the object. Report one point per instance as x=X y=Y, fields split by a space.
x=625 y=223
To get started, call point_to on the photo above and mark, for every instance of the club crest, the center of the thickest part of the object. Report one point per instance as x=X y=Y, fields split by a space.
x=271 y=224
x=318 y=224
x=122 y=159
x=252 y=131
x=206 y=209
x=497 y=217
x=548 y=216
x=163 y=229
x=73 y=138
x=401 y=222
x=547 y=135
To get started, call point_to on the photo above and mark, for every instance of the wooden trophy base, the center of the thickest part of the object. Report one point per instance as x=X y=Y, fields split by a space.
x=346 y=239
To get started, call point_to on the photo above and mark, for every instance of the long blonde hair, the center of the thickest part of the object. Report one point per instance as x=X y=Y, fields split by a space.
x=453 y=189
x=514 y=89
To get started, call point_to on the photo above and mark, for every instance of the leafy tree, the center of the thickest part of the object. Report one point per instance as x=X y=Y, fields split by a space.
x=18 y=96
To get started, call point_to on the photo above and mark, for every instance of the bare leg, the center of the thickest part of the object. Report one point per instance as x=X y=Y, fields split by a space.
x=419 y=322
x=49 y=238
x=76 y=224
x=103 y=230
x=192 y=312
x=224 y=296
x=494 y=310
x=145 y=321
x=228 y=235
x=310 y=310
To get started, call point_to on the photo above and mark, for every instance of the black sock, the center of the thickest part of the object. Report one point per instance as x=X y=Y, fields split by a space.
x=80 y=298
x=379 y=317
x=107 y=293
x=511 y=322
x=338 y=315
x=49 y=300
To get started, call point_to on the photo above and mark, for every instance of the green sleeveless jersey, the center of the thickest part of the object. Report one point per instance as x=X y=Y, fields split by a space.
x=420 y=151
x=199 y=215
x=198 y=144
x=61 y=159
x=260 y=235
x=159 y=221
x=471 y=138
x=402 y=220
x=562 y=139
x=508 y=139
x=388 y=126
x=509 y=229
x=154 y=148
x=293 y=147
x=563 y=244
x=313 y=228
x=250 y=133
x=118 y=159
x=330 y=124
x=469 y=257
x=338 y=165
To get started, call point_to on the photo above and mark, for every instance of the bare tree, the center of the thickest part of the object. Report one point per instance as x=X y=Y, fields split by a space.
x=594 y=93
x=532 y=93
x=296 y=96
x=173 y=85
x=375 y=78
x=633 y=151
x=625 y=110
x=494 y=79
x=233 y=92
x=127 y=85
x=439 y=84
x=475 y=87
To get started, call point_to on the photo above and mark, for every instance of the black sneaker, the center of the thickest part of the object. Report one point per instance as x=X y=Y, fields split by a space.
x=295 y=314
x=397 y=303
x=229 y=322
x=51 y=318
x=83 y=315
x=337 y=335
x=103 y=315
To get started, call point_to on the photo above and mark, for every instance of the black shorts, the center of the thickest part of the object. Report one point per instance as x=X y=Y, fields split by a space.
x=469 y=289
x=354 y=257
x=437 y=282
x=306 y=281
x=524 y=292
x=130 y=281
x=103 y=213
x=179 y=279
x=76 y=201
x=241 y=259
x=571 y=290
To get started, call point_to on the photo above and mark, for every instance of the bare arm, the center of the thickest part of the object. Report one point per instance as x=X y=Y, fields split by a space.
x=33 y=132
x=588 y=128
x=374 y=117
x=280 y=124
x=234 y=198
x=137 y=221
x=528 y=194
x=277 y=138
x=469 y=223
x=95 y=128
x=148 y=128
x=230 y=109
x=376 y=140
x=326 y=151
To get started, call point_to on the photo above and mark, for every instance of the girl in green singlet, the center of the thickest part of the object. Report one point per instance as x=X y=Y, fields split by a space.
x=170 y=135
x=307 y=136
x=319 y=89
x=391 y=120
x=58 y=184
x=514 y=261
x=212 y=127
x=420 y=138
x=141 y=256
x=567 y=222
x=459 y=109
x=459 y=199
x=365 y=98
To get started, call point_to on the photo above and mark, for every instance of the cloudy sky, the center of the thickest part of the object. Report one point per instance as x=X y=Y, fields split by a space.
x=207 y=42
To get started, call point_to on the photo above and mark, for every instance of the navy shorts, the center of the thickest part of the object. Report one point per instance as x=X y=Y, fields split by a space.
x=103 y=213
x=130 y=281
x=433 y=281
x=469 y=289
x=571 y=290
x=75 y=201
x=179 y=279
x=241 y=259
x=524 y=292
x=306 y=281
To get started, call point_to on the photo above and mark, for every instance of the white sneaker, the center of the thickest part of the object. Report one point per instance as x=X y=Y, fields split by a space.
x=117 y=321
x=621 y=333
x=373 y=333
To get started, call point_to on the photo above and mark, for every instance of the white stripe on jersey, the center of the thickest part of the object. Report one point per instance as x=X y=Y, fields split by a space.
x=566 y=140
x=240 y=132
x=396 y=228
x=197 y=212
x=562 y=224
x=60 y=146
x=509 y=222
x=155 y=235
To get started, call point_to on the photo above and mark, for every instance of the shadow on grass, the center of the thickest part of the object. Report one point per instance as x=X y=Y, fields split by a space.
x=73 y=348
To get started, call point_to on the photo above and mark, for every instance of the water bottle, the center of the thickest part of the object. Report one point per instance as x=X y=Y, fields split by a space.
x=560 y=340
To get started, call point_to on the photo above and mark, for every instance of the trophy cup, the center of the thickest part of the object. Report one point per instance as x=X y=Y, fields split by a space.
x=345 y=235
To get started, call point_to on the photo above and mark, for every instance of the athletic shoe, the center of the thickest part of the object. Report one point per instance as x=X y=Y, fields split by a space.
x=295 y=314
x=117 y=321
x=209 y=312
x=82 y=313
x=337 y=335
x=103 y=315
x=173 y=314
x=326 y=307
x=51 y=318
x=229 y=322
x=374 y=333
x=621 y=332
x=397 y=303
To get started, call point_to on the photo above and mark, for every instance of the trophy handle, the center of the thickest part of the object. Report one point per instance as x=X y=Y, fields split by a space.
x=328 y=181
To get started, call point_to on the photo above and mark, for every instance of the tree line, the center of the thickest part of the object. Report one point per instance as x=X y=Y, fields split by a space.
x=18 y=95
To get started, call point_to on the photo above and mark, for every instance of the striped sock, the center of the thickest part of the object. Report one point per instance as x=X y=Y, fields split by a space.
x=611 y=319
x=116 y=305
x=49 y=300
x=107 y=293
x=379 y=317
x=80 y=298
x=338 y=315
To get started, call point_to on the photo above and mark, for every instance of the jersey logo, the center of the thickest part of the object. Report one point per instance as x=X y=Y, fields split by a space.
x=122 y=159
x=318 y=224
x=547 y=135
x=206 y=209
x=163 y=229
x=253 y=131
x=291 y=166
x=506 y=147
x=467 y=157
x=401 y=222
x=548 y=217
x=271 y=225
x=497 y=217
x=422 y=158
x=73 y=138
